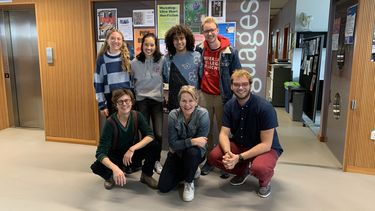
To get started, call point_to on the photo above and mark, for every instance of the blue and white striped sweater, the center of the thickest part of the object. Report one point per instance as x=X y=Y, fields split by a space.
x=108 y=77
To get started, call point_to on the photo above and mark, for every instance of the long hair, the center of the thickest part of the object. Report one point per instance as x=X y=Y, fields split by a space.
x=157 y=55
x=175 y=31
x=125 y=55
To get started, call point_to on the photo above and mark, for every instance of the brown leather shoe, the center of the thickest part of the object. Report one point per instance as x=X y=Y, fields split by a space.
x=151 y=182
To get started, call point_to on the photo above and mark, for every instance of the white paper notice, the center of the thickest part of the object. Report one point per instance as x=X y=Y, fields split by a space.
x=125 y=25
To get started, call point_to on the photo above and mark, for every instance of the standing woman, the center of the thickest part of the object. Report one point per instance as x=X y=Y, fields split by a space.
x=148 y=87
x=188 y=128
x=182 y=64
x=112 y=70
x=119 y=146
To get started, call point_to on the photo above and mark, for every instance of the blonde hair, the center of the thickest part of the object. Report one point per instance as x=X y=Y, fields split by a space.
x=208 y=19
x=189 y=90
x=241 y=73
x=125 y=55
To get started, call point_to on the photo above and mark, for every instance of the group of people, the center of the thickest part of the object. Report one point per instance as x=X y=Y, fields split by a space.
x=202 y=81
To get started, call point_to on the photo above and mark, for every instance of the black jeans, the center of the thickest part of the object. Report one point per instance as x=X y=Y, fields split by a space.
x=153 y=110
x=179 y=167
x=149 y=153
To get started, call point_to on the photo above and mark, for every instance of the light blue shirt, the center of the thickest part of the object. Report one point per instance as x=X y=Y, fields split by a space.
x=181 y=133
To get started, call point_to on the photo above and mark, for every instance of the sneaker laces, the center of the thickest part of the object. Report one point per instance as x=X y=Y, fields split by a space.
x=189 y=186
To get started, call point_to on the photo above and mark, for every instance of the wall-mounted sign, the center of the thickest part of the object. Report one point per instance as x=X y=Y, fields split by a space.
x=217 y=9
x=195 y=11
x=350 y=24
x=143 y=18
x=228 y=30
x=168 y=16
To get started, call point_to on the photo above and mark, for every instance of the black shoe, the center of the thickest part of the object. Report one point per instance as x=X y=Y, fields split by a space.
x=224 y=174
x=239 y=179
x=128 y=170
x=206 y=169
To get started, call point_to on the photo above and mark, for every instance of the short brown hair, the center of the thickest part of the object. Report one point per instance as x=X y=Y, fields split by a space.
x=116 y=94
x=241 y=73
x=209 y=19
x=189 y=90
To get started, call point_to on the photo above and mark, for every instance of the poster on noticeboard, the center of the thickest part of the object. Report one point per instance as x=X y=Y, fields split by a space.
x=195 y=11
x=107 y=20
x=138 y=35
x=217 y=9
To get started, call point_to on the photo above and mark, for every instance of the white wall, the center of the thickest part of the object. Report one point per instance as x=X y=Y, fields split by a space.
x=296 y=63
x=318 y=9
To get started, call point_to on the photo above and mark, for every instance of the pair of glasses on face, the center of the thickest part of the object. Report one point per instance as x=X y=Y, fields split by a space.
x=123 y=102
x=238 y=85
x=207 y=31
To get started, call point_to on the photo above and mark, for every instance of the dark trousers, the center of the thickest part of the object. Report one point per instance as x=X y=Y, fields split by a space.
x=149 y=153
x=179 y=168
x=152 y=110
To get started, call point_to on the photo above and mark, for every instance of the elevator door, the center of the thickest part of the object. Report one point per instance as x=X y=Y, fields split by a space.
x=24 y=69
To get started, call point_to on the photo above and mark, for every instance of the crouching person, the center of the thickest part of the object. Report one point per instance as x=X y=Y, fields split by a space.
x=120 y=145
x=248 y=134
x=188 y=128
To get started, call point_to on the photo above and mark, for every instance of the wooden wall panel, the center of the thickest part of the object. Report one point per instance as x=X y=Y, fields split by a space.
x=4 y=120
x=69 y=99
x=360 y=150
x=70 y=110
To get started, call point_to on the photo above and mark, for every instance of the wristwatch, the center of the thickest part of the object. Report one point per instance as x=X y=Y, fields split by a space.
x=240 y=158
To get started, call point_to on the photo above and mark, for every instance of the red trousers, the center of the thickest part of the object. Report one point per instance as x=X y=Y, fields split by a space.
x=262 y=166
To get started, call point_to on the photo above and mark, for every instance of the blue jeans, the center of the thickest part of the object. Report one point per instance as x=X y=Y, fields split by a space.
x=152 y=110
x=179 y=167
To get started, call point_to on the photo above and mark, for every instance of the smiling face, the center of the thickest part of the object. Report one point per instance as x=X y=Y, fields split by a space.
x=241 y=87
x=179 y=42
x=115 y=42
x=187 y=104
x=210 y=32
x=149 y=47
x=124 y=104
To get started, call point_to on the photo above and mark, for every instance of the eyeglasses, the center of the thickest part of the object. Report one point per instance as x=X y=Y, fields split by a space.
x=123 y=102
x=238 y=85
x=209 y=30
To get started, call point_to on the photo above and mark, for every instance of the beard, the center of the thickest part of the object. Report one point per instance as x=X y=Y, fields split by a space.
x=244 y=97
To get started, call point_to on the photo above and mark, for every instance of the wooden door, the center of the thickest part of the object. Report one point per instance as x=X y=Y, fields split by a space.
x=360 y=149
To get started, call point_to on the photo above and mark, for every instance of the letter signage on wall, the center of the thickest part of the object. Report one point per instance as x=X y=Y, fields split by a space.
x=252 y=17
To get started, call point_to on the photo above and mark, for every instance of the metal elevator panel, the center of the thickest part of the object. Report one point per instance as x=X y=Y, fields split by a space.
x=23 y=65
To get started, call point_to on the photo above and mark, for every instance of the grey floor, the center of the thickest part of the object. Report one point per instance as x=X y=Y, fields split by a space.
x=39 y=175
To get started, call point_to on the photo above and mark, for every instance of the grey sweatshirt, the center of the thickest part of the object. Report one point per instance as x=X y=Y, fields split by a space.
x=147 y=78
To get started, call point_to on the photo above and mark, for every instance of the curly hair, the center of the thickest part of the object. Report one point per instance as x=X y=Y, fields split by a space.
x=241 y=73
x=125 y=55
x=157 y=55
x=175 y=31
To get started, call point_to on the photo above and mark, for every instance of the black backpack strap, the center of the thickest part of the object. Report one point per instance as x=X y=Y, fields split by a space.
x=136 y=132
x=115 y=132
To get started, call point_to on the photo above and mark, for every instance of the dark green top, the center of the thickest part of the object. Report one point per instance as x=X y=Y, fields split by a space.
x=125 y=135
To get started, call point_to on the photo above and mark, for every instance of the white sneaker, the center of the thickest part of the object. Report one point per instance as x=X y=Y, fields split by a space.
x=188 y=194
x=197 y=173
x=158 y=167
